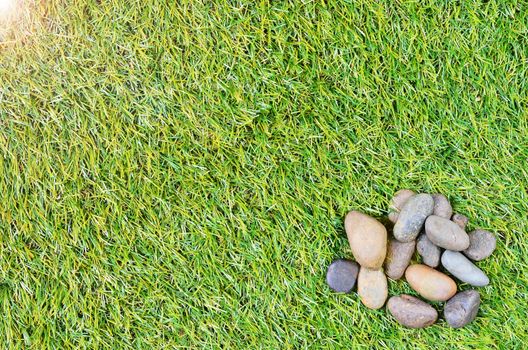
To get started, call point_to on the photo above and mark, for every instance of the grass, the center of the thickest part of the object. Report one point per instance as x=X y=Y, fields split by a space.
x=175 y=174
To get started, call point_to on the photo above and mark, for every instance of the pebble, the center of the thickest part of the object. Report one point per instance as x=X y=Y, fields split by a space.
x=460 y=220
x=442 y=207
x=367 y=238
x=429 y=283
x=398 y=258
x=463 y=269
x=412 y=217
x=397 y=203
x=429 y=252
x=445 y=233
x=462 y=308
x=372 y=287
x=481 y=244
x=411 y=312
x=341 y=275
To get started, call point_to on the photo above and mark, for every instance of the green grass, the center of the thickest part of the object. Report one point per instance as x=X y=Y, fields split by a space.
x=175 y=174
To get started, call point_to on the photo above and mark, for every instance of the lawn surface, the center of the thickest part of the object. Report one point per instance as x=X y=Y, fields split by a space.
x=176 y=175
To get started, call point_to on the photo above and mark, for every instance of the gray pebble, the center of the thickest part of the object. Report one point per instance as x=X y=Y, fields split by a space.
x=463 y=269
x=462 y=308
x=429 y=252
x=460 y=220
x=442 y=207
x=411 y=312
x=342 y=275
x=412 y=217
x=481 y=244
x=398 y=257
x=445 y=233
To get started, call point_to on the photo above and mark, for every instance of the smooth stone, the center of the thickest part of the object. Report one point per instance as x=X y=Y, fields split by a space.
x=462 y=308
x=460 y=220
x=463 y=269
x=445 y=233
x=411 y=312
x=412 y=217
x=429 y=283
x=372 y=287
x=393 y=216
x=400 y=198
x=481 y=244
x=429 y=252
x=341 y=275
x=442 y=207
x=367 y=238
x=397 y=202
x=399 y=256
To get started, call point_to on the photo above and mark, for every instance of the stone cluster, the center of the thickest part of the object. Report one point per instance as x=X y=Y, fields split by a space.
x=426 y=224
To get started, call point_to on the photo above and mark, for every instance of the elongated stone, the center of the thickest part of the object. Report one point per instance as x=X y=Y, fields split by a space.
x=463 y=269
x=399 y=255
x=429 y=252
x=412 y=217
x=462 y=308
x=429 y=283
x=411 y=312
x=445 y=233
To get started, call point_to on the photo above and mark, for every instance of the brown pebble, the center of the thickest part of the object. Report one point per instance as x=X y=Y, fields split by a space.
x=399 y=256
x=411 y=312
x=367 y=238
x=429 y=283
x=372 y=287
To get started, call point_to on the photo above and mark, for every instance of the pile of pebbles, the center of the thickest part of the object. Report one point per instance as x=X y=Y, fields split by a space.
x=424 y=223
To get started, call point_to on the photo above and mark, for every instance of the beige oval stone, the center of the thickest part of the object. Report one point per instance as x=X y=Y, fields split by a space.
x=367 y=238
x=429 y=283
x=372 y=287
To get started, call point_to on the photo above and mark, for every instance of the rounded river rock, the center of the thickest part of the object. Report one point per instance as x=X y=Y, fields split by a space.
x=412 y=217
x=445 y=233
x=460 y=220
x=442 y=207
x=341 y=275
x=481 y=244
x=372 y=287
x=429 y=252
x=429 y=283
x=397 y=203
x=411 y=312
x=399 y=255
x=462 y=308
x=463 y=269
x=367 y=238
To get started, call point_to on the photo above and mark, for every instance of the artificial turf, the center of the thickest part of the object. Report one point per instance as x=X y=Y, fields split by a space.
x=175 y=174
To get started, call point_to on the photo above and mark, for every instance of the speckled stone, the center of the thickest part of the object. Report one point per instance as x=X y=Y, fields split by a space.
x=367 y=238
x=341 y=275
x=411 y=312
x=462 y=308
x=412 y=217
x=481 y=244
x=429 y=252
x=463 y=269
x=399 y=255
x=442 y=207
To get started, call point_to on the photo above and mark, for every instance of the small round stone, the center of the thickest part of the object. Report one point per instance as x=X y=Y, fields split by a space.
x=445 y=233
x=341 y=275
x=399 y=255
x=412 y=217
x=429 y=283
x=462 y=308
x=442 y=207
x=372 y=287
x=411 y=312
x=367 y=238
x=460 y=220
x=463 y=269
x=400 y=198
x=429 y=252
x=481 y=244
